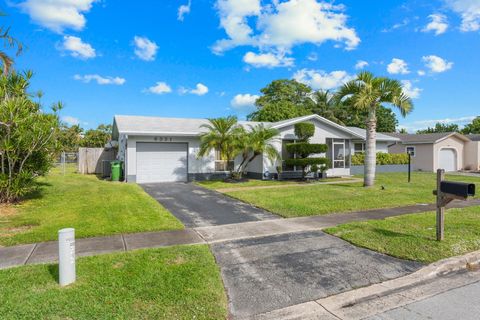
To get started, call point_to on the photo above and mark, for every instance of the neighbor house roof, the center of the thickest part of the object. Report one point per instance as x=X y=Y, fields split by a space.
x=143 y=125
x=426 y=138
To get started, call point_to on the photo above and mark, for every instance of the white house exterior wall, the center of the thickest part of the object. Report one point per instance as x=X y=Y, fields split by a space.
x=450 y=143
x=472 y=155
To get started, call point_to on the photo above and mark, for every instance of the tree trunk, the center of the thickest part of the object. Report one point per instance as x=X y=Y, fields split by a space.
x=371 y=149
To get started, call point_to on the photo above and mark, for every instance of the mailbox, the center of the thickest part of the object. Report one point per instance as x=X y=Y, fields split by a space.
x=460 y=189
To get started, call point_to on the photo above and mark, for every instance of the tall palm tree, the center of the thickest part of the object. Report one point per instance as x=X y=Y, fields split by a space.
x=9 y=42
x=367 y=92
x=327 y=106
x=221 y=136
x=256 y=141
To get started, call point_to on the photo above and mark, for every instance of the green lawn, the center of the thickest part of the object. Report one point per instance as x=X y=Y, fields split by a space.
x=170 y=283
x=219 y=184
x=323 y=199
x=413 y=236
x=92 y=206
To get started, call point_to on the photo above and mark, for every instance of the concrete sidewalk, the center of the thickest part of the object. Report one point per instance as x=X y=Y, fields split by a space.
x=45 y=252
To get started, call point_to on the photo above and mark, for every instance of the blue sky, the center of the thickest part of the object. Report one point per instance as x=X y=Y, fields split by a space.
x=204 y=58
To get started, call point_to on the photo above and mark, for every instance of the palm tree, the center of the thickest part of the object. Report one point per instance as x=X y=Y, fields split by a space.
x=327 y=106
x=256 y=141
x=221 y=136
x=9 y=42
x=367 y=92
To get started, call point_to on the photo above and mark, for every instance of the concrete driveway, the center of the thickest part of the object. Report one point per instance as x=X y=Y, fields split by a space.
x=195 y=206
x=268 y=273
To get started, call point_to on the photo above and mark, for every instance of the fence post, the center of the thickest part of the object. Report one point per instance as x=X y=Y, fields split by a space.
x=66 y=256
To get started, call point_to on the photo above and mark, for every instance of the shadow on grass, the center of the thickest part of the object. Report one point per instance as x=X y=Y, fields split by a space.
x=38 y=192
x=393 y=234
x=53 y=270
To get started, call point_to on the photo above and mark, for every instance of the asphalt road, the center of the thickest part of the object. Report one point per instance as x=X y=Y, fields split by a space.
x=268 y=273
x=460 y=303
x=195 y=206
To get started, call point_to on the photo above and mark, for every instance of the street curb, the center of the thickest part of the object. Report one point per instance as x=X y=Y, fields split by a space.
x=368 y=301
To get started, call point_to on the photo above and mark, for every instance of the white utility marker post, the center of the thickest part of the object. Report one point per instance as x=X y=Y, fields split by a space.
x=66 y=256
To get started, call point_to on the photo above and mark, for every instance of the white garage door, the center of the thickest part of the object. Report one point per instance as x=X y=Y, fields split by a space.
x=447 y=159
x=161 y=162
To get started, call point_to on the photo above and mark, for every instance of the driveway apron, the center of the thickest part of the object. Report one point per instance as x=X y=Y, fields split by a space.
x=269 y=273
x=195 y=206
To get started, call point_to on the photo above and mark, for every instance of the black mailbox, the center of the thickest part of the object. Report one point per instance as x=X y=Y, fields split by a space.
x=460 y=189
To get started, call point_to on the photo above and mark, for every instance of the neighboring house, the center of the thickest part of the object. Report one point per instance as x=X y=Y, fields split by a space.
x=165 y=149
x=473 y=155
x=450 y=151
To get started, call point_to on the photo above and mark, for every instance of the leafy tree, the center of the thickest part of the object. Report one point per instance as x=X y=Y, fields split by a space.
x=403 y=130
x=473 y=127
x=303 y=149
x=367 y=93
x=27 y=137
x=69 y=138
x=283 y=99
x=440 y=127
x=343 y=113
x=278 y=111
x=9 y=42
x=97 y=138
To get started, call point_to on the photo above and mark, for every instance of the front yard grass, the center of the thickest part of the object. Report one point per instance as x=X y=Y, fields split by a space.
x=324 y=199
x=180 y=282
x=413 y=237
x=220 y=184
x=92 y=206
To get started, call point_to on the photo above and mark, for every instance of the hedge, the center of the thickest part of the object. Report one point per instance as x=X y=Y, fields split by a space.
x=382 y=159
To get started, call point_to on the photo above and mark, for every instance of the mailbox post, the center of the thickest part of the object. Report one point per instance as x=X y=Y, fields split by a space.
x=66 y=256
x=446 y=192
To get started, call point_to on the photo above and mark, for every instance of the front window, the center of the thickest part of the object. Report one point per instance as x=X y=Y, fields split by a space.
x=359 y=148
x=411 y=151
x=221 y=164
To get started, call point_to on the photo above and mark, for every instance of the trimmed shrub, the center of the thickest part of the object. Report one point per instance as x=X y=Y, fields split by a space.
x=382 y=159
x=303 y=149
x=305 y=162
x=304 y=130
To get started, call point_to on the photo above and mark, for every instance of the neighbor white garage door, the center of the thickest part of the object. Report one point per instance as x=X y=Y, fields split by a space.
x=161 y=162
x=447 y=159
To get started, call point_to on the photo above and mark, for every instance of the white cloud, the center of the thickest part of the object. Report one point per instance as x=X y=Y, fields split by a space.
x=243 y=101
x=58 y=15
x=77 y=48
x=410 y=90
x=145 y=49
x=183 y=10
x=421 y=73
x=281 y=25
x=319 y=79
x=423 y=124
x=99 y=79
x=200 y=90
x=469 y=10
x=268 y=60
x=398 y=66
x=438 y=24
x=159 y=88
x=72 y=121
x=361 y=64
x=437 y=64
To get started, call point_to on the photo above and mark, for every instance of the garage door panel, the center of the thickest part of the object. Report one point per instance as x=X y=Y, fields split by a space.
x=161 y=162
x=447 y=159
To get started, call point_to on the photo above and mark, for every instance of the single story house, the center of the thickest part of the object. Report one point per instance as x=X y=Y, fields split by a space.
x=450 y=151
x=157 y=149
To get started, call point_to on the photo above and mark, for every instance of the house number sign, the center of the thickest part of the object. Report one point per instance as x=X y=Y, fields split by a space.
x=163 y=139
